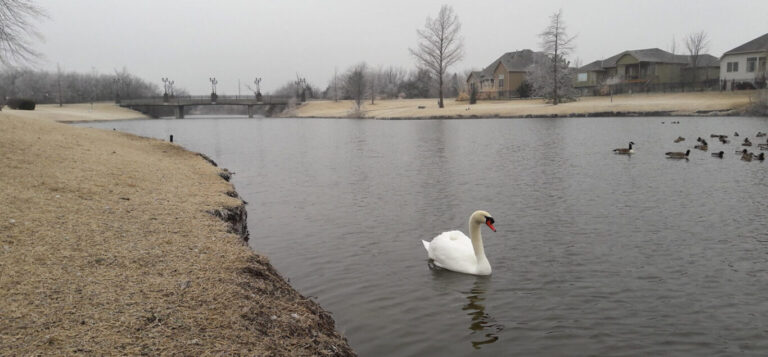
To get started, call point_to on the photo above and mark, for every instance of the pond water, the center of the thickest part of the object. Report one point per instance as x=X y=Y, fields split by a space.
x=595 y=254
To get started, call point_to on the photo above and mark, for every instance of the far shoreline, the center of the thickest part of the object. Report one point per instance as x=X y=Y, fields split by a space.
x=691 y=104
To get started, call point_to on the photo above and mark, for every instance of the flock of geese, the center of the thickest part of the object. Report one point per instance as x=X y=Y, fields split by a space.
x=704 y=146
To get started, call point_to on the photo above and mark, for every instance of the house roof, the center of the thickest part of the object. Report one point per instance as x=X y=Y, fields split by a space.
x=651 y=55
x=594 y=66
x=647 y=55
x=707 y=60
x=756 y=45
x=518 y=61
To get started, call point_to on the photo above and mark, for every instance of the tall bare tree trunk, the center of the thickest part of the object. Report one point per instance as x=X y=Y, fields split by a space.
x=439 y=45
x=696 y=43
x=556 y=44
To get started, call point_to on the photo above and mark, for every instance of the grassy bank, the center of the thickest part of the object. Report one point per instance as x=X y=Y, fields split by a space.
x=108 y=247
x=701 y=103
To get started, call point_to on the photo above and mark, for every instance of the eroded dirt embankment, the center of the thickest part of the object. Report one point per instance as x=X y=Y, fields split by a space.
x=110 y=244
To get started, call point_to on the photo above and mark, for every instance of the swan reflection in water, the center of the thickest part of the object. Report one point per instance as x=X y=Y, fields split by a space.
x=484 y=328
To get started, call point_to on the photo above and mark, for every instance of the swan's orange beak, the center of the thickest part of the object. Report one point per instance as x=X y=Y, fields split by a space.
x=489 y=222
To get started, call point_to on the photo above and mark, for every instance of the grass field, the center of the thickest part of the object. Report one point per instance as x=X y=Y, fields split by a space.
x=674 y=103
x=107 y=247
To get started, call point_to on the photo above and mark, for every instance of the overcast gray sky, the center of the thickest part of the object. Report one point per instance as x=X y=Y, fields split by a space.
x=191 y=40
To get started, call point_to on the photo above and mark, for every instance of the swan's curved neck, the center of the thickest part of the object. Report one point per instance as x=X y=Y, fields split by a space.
x=477 y=240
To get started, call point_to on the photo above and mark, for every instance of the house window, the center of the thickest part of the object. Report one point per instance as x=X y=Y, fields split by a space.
x=761 y=65
x=581 y=77
x=501 y=83
x=751 y=64
x=732 y=67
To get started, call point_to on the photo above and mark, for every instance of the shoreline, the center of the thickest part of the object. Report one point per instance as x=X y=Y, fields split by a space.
x=717 y=113
x=691 y=104
x=118 y=244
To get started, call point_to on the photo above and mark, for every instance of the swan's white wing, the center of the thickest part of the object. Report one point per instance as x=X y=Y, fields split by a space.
x=453 y=251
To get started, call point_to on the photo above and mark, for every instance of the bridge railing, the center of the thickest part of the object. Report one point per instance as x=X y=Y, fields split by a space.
x=206 y=99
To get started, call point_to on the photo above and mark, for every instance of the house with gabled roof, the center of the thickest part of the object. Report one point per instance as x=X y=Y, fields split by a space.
x=649 y=69
x=502 y=78
x=744 y=67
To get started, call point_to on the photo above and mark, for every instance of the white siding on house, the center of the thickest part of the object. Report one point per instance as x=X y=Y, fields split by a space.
x=741 y=74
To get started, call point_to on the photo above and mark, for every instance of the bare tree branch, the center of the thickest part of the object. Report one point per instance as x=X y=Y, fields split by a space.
x=440 y=45
x=17 y=29
x=696 y=43
x=556 y=43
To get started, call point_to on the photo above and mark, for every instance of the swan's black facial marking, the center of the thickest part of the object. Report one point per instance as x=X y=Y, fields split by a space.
x=489 y=221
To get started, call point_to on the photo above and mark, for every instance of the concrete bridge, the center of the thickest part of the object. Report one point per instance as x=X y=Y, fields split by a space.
x=164 y=106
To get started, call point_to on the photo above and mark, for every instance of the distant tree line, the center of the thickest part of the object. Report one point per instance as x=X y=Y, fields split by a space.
x=363 y=81
x=73 y=87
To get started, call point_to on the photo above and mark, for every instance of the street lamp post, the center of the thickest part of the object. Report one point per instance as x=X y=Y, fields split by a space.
x=257 y=82
x=165 y=89
x=214 y=82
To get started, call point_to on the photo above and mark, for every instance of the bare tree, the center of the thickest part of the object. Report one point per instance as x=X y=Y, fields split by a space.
x=673 y=46
x=696 y=43
x=543 y=79
x=354 y=84
x=16 y=30
x=556 y=43
x=372 y=82
x=439 y=45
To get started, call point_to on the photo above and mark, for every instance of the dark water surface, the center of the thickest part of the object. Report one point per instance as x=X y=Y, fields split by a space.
x=595 y=253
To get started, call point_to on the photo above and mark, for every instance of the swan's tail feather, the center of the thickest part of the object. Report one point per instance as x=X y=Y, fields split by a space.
x=426 y=246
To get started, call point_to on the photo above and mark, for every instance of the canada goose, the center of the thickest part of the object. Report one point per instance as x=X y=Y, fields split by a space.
x=702 y=147
x=718 y=154
x=724 y=140
x=747 y=156
x=743 y=152
x=735 y=133
x=678 y=155
x=625 y=151
x=761 y=156
x=679 y=139
x=760 y=134
x=746 y=142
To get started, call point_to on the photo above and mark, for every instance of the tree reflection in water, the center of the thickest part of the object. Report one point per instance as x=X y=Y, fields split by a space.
x=483 y=325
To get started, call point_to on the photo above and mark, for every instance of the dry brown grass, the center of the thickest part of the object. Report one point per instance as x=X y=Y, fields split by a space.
x=78 y=112
x=106 y=249
x=675 y=103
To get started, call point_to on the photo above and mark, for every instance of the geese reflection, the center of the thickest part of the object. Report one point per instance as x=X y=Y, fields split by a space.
x=484 y=327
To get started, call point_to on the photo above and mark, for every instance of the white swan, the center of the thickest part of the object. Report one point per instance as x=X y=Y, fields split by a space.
x=455 y=251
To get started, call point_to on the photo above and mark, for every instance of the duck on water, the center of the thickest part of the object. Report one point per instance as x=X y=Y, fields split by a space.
x=625 y=151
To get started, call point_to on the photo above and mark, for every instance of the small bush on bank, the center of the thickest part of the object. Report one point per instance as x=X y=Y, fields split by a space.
x=462 y=97
x=21 y=103
x=525 y=89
